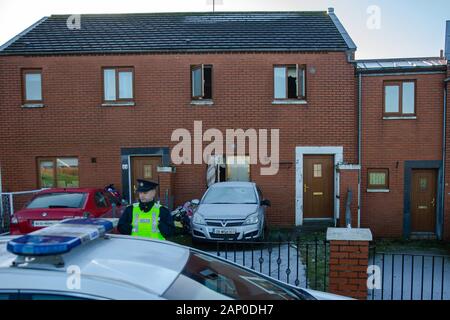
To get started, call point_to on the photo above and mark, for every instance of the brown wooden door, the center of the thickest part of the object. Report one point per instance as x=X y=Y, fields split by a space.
x=318 y=186
x=144 y=168
x=423 y=200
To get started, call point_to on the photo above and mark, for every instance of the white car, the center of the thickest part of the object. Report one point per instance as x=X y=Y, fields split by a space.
x=76 y=259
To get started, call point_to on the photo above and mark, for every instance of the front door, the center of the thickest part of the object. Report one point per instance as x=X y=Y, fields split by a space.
x=423 y=201
x=144 y=168
x=318 y=186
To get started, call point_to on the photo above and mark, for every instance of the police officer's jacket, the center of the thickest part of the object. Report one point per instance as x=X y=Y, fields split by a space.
x=166 y=224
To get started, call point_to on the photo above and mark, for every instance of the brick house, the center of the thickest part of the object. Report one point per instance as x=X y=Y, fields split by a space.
x=402 y=107
x=98 y=104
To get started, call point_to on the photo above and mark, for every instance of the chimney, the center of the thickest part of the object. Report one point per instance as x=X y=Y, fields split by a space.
x=447 y=41
x=441 y=54
x=330 y=10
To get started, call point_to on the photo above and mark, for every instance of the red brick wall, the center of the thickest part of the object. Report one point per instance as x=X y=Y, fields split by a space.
x=388 y=143
x=74 y=124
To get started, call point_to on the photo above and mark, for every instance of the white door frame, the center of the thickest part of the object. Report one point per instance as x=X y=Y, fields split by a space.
x=300 y=152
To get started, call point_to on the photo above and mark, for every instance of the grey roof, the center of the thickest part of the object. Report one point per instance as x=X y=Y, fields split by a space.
x=184 y=32
x=401 y=64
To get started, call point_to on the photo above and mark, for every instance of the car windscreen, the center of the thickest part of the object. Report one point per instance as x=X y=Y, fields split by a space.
x=205 y=277
x=58 y=200
x=230 y=195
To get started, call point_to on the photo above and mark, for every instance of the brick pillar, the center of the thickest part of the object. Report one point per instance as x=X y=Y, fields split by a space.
x=349 y=259
x=166 y=179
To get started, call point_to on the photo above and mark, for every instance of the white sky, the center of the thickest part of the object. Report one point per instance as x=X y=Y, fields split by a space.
x=408 y=28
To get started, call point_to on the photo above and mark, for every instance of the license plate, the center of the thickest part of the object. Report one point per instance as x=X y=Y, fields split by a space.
x=44 y=223
x=225 y=231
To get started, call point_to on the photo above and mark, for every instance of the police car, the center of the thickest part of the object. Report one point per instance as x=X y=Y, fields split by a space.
x=78 y=259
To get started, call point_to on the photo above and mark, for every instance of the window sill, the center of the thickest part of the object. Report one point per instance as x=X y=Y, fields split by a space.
x=400 y=118
x=287 y=102
x=378 y=190
x=33 y=105
x=207 y=102
x=118 y=104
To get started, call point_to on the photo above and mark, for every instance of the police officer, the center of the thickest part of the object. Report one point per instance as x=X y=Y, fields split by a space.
x=147 y=218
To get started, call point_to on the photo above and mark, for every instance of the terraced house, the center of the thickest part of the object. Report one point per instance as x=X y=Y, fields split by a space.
x=97 y=103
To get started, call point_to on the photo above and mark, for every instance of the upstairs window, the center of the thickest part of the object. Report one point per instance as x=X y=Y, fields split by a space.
x=32 y=86
x=201 y=80
x=399 y=98
x=118 y=84
x=290 y=82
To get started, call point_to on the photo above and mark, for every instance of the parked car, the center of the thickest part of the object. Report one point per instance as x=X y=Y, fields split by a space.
x=230 y=211
x=53 y=205
x=122 y=268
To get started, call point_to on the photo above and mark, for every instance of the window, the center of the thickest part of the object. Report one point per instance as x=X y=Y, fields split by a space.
x=238 y=168
x=231 y=168
x=100 y=200
x=206 y=278
x=58 y=200
x=423 y=184
x=32 y=86
x=399 y=98
x=201 y=79
x=290 y=82
x=378 y=179
x=318 y=170
x=230 y=195
x=118 y=84
x=58 y=172
x=148 y=169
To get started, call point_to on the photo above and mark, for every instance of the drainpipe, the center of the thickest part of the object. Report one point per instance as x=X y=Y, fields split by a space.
x=444 y=142
x=359 y=145
x=1 y=197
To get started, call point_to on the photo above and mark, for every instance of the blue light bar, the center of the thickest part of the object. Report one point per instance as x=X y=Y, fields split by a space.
x=60 y=238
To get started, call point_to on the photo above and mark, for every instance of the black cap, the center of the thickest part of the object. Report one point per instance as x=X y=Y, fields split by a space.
x=144 y=185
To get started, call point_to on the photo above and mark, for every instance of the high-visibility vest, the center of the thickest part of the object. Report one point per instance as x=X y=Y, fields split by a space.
x=145 y=224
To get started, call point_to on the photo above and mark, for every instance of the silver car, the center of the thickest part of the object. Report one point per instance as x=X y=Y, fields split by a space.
x=230 y=211
x=75 y=259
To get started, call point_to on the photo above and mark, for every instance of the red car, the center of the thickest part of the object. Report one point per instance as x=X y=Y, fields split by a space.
x=52 y=205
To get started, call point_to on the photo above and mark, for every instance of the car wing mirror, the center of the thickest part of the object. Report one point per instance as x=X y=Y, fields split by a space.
x=266 y=203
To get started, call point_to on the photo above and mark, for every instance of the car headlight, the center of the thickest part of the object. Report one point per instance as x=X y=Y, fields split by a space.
x=198 y=219
x=14 y=220
x=252 y=219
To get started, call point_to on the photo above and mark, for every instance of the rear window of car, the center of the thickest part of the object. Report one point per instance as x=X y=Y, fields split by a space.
x=58 y=200
x=210 y=278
